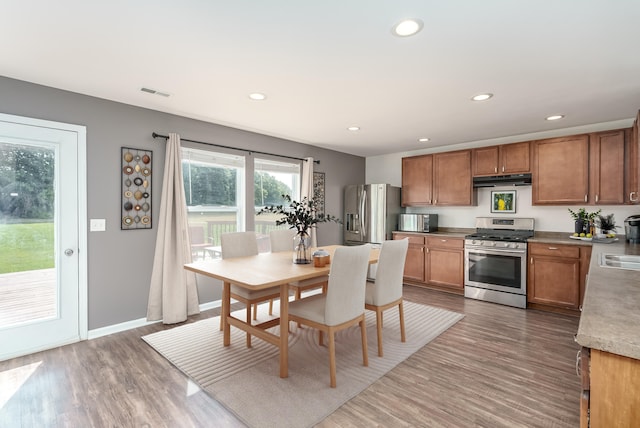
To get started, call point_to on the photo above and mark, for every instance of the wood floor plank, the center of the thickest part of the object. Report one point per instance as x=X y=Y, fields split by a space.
x=498 y=367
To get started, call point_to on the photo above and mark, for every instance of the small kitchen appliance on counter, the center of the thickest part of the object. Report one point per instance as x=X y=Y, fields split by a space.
x=632 y=229
x=495 y=262
x=418 y=223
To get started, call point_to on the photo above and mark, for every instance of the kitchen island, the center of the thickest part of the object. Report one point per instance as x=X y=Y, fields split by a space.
x=609 y=332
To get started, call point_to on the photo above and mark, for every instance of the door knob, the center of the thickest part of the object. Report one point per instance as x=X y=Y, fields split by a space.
x=68 y=252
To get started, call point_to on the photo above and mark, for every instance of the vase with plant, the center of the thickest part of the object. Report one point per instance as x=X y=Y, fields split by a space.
x=301 y=216
x=583 y=220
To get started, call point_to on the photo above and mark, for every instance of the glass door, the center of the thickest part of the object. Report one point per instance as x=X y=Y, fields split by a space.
x=39 y=236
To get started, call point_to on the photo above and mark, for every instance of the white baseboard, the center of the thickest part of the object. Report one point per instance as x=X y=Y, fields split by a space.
x=141 y=322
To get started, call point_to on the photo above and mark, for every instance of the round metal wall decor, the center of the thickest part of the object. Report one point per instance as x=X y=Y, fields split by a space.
x=135 y=179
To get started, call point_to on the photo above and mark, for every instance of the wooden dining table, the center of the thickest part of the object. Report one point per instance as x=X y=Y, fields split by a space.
x=265 y=270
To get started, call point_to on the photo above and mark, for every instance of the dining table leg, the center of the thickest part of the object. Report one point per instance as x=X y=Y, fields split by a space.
x=226 y=312
x=284 y=330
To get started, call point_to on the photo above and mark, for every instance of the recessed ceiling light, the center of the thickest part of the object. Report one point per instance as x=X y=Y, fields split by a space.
x=555 y=117
x=353 y=128
x=423 y=140
x=257 y=96
x=407 y=27
x=482 y=97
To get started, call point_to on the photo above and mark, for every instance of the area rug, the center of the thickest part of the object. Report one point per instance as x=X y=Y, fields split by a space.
x=246 y=380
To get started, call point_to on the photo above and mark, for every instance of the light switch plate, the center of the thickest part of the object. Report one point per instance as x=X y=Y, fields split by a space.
x=98 y=225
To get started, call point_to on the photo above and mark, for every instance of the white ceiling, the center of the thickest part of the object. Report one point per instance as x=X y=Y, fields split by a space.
x=326 y=65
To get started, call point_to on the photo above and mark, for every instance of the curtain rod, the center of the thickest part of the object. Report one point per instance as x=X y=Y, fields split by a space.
x=166 y=137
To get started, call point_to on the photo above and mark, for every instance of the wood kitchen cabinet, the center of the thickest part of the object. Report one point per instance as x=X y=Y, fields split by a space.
x=434 y=261
x=452 y=181
x=557 y=275
x=606 y=168
x=611 y=395
x=417 y=180
x=632 y=194
x=560 y=170
x=504 y=159
x=414 y=263
x=445 y=262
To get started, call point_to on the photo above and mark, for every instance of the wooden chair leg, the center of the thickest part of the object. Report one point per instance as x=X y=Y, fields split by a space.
x=379 y=330
x=221 y=319
x=271 y=307
x=402 y=333
x=298 y=297
x=381 y=320
x=320 y=338
x=248 y=322
x=332 y=358
x=363 y=332
x=255 y=311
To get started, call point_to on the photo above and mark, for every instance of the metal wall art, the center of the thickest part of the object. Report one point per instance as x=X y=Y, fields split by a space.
x=318 y=190
x=136 y=188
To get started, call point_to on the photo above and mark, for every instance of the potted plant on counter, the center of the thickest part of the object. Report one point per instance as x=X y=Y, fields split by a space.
x=583 y=221
x=607 y=225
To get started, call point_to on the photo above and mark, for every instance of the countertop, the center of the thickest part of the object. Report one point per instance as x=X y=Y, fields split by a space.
x=610 y=318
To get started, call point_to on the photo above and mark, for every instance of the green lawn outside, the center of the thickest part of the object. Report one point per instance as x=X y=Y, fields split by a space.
x=26 y=246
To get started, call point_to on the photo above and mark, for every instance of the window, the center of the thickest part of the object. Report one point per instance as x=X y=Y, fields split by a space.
x=272 y=179
x=214 y=188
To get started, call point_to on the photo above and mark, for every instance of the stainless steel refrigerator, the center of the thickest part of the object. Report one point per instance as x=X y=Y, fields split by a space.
x=370 y=213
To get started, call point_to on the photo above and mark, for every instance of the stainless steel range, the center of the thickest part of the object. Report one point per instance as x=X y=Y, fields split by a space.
x=496 y=260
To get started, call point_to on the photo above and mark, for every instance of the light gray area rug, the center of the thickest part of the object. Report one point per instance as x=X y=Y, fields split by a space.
x=247 y=381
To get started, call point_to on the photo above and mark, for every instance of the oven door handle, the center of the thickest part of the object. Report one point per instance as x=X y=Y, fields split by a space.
x=495 y=251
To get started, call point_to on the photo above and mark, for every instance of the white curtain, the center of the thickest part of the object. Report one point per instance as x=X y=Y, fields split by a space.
x=306 y=189
x=173 y=294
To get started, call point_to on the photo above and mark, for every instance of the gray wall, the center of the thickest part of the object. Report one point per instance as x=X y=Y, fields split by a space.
x=120 y=262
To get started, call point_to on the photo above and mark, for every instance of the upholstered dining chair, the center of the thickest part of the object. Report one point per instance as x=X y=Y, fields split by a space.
x=282 y=240
x=243 y=244
x=343 y=304
x=386 y=291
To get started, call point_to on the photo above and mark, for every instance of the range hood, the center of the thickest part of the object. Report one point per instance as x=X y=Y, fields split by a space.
x=503 y=180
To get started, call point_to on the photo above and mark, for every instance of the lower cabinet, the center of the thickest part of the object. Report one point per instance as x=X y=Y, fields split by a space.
x=556 y=275
x=611 y=394
x=434 y=261
x=445 y=262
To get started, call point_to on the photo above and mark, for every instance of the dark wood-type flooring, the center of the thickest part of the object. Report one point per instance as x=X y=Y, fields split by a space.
x=498 y=367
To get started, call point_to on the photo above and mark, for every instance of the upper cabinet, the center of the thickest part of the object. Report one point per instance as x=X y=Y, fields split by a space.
x=580 y=169
x=438 y=179
x=560 y=170
x=606 y=168
x=504 y=159
x=417 y=178
x=452 y=181
x=632 y=195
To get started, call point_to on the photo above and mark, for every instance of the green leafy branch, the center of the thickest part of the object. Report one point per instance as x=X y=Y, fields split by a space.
x=300 y=215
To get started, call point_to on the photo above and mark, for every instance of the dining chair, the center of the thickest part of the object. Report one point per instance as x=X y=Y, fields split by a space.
x=343 y=304
x=282 y=240
x=243 y=244
x=386 y=291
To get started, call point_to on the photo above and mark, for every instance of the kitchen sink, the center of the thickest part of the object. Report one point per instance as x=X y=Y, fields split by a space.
x=620 y=261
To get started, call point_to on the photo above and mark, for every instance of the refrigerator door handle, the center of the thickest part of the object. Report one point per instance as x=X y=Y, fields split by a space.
x=362 y=212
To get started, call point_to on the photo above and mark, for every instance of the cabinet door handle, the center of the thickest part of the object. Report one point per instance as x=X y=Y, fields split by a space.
x=422 y=249
x=443 y=240
x=596 y=198
x=631 y=198
x=495 y=170
x=585 y=198
x=553 y=248
x=578 y=365
x=531 y=262
x=502 y=168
